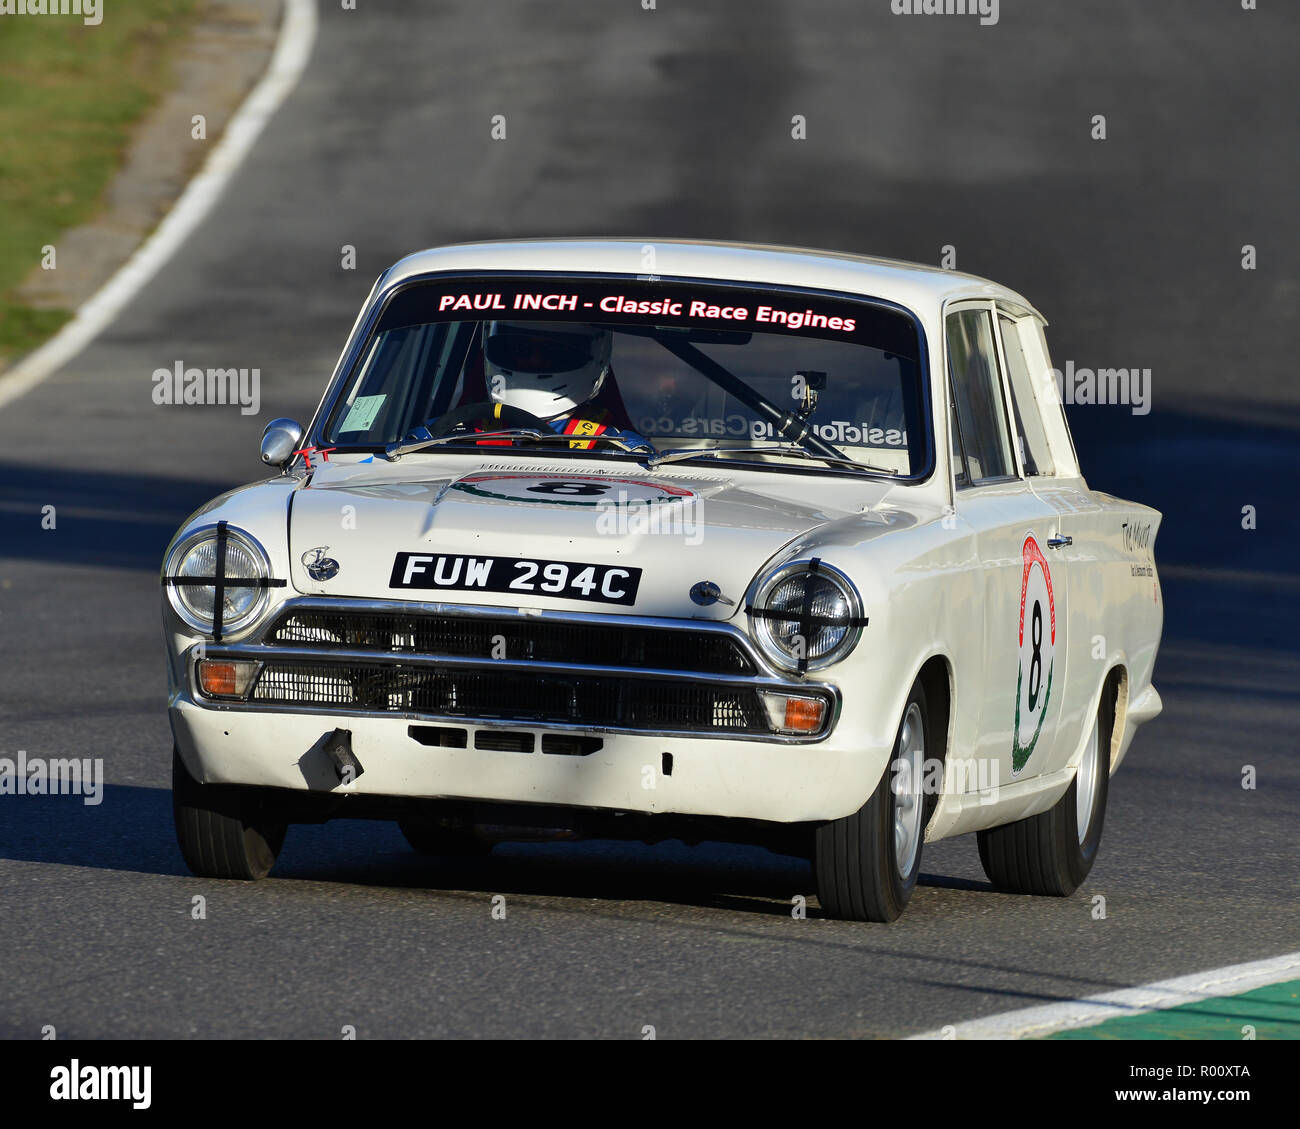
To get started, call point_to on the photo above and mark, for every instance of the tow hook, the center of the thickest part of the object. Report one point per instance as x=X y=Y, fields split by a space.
x=337 y=746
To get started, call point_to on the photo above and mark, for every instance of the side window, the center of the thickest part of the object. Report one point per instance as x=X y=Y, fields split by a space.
x=1035 y=451
x=977 y=394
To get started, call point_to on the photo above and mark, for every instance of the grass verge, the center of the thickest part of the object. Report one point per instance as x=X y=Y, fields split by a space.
x=70 y=95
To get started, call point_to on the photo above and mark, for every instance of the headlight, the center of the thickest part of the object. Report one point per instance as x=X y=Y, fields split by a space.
x=195 y=559
x=806 y=615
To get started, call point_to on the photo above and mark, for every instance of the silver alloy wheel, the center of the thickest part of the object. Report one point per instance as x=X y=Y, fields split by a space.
x=909 y=765
x=1086 y=785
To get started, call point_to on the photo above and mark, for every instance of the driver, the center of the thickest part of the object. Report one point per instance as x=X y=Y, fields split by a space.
x=554 y=371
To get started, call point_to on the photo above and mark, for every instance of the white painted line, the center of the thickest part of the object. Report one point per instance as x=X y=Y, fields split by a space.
x=1035 y=1022
x=292 y=51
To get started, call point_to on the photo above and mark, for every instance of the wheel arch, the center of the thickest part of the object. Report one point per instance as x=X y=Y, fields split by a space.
x=1116 y=685
x=936 y=677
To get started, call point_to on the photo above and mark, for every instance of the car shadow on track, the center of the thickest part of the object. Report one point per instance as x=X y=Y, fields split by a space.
x=727 y=876
x=130 y=830
x=715 y=875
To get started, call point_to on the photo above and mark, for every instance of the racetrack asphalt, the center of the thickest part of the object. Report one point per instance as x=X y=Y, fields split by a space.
x=921 y=132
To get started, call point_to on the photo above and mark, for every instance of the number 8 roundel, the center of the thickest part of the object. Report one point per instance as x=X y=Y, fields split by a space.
x=1037 y=653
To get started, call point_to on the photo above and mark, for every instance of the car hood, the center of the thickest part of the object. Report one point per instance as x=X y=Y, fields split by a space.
x=678 y=527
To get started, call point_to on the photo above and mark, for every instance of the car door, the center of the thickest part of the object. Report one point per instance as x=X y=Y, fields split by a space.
x=1024 y=601
x=1052 y=472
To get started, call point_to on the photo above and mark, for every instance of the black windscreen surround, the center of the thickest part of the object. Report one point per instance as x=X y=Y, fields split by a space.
x=690 y=361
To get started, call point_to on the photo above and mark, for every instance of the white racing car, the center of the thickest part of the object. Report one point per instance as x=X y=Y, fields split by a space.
x=675 y=540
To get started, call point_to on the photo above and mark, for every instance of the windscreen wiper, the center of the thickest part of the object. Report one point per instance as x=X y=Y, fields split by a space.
x=396 y=450
x=683 y=453
x=786 y=424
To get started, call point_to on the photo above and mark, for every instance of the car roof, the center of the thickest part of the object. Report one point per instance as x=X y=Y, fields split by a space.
x=914 y=285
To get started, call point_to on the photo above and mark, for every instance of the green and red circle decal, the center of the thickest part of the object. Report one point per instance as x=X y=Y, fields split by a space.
x=1037 y=653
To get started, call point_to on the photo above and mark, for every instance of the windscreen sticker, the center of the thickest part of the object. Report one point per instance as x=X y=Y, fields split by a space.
x=697 y=309
x=705 y=313
x=362 y=413
x=1037 y=638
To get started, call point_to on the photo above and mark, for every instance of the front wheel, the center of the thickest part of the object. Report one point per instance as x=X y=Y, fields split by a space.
x=1050 y=854
x=867 y=863
x=224 y=831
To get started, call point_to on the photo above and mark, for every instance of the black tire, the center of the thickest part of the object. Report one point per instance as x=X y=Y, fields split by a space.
x=1045 y=854
x=426 y=837
x=855 y=858
x=224 y=831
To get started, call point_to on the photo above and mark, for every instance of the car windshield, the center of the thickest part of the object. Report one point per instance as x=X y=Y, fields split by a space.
x=639 y=369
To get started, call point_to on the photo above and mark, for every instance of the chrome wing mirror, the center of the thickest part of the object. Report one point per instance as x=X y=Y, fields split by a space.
x=280 y=440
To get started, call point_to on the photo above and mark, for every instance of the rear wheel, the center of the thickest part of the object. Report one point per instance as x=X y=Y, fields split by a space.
x=1051 y=853
x=867 y=863
x=224 y=830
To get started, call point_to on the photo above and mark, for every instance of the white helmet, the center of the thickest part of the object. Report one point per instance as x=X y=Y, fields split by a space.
x=547 y=369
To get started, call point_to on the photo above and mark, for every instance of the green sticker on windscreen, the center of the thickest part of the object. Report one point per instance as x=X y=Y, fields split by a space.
x=362 y=413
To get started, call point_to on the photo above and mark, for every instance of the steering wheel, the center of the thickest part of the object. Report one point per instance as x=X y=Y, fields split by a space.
x=502 y=414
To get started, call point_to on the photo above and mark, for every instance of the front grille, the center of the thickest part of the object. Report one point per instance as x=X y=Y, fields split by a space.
x=516 y=639
x=540 y=697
